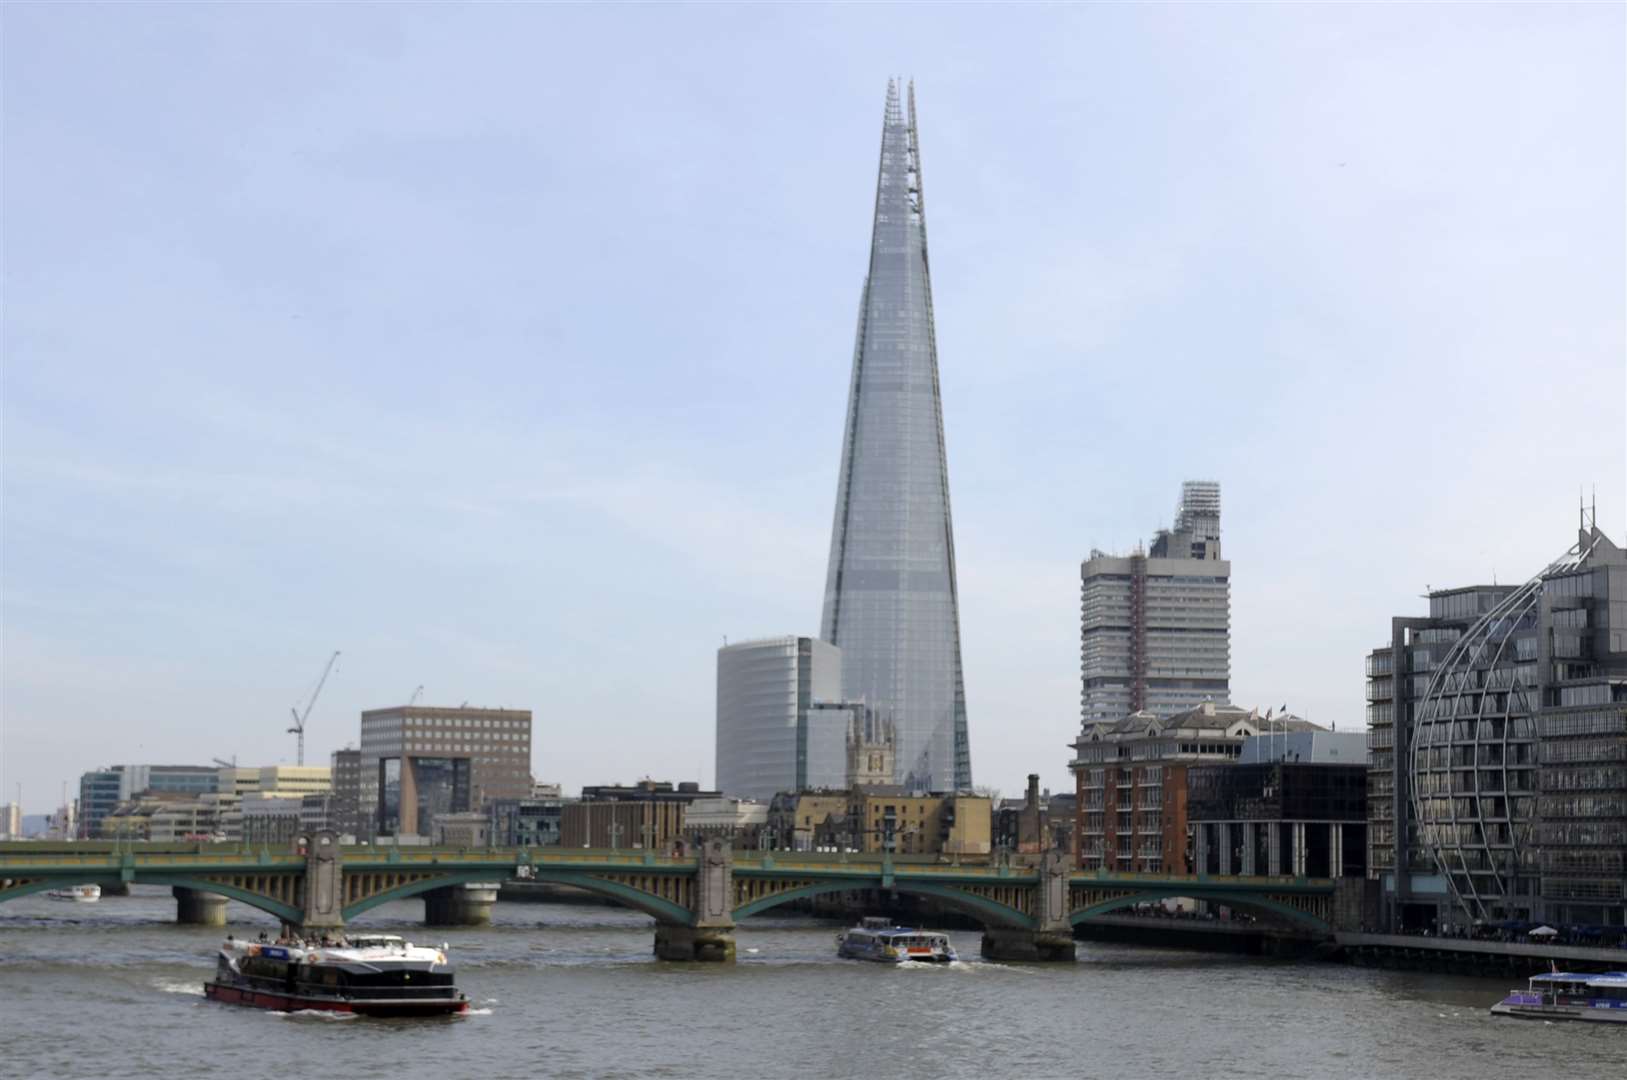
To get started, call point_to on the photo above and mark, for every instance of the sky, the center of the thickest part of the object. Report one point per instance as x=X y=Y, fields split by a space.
x=506 y=348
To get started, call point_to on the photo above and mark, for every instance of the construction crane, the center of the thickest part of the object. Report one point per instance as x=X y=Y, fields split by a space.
x=416 y=694
x=224 y=764
x=299 y=717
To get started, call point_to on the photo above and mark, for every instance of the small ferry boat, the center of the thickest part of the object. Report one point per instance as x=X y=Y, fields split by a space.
x=371 y=974
x=1563 y=995
x=84 y=894
x=879 y=940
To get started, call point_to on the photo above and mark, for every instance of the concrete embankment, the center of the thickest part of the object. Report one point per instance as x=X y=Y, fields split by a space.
x=1460 y=957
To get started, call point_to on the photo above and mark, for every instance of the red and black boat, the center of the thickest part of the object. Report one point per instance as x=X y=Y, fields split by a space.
x=373 y=975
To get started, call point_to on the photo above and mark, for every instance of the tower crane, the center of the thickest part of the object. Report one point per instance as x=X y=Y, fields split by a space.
x=416 y=694
x=299 y=717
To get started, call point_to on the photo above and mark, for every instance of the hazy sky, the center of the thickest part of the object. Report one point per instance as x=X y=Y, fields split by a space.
x=506 y=348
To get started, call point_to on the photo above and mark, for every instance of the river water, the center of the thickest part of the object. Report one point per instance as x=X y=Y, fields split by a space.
x=114 y=989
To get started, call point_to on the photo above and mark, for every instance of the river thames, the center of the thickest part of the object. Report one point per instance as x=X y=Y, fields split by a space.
x=114 y=989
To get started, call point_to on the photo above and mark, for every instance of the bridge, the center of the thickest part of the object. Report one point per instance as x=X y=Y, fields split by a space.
x=696 y=898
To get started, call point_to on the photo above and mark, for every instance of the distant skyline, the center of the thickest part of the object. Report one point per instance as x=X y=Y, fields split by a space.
x=506 y=348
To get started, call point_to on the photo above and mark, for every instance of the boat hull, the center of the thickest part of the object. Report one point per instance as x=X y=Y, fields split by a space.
x=1560 y=1012
x=282 y=1002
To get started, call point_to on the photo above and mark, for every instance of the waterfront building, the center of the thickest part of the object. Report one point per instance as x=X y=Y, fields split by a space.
x=1034 y=824
x=345 y=812
x=1130 y=782
x=533 y=822
x=1293 y=803
x=891 y=602
x=11 y=821
x=773 y=731
x=470 y=830
x=1155 y=625
x=1497 y=729
x=173 y=817
x=102 y=790
x=797 y=819
x=890 y=817
x=649 y=814
x=271 y=820
x=421 y=760
x=743 y=823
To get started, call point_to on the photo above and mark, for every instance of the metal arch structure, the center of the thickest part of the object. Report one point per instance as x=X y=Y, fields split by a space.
x=1456 y=694
x=973 y=900
x=1301 y=913
x=658 y=908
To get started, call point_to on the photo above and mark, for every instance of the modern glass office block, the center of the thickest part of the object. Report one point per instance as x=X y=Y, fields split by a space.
x=890 y=594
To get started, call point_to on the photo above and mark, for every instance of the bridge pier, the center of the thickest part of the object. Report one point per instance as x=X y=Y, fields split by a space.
x=194 y=907
x=1052 y=938
x=460 y=905
x=710 y=936
x=705 y=944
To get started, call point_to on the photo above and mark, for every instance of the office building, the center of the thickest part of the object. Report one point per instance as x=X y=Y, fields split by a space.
x=101 y=790
x=418 y=761
x=893 y=818
x=742 y=823
x=1293 y=803
x=11 y=821
x=1497 y=729
x=891 y=603
x=1155 y=625
x=345 y=812
x=770 y=737
x=1130 y=782
x=649 y=814
x=533 y=822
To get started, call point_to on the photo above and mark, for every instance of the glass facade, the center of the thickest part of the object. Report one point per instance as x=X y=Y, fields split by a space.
x=1498 y=750
x=890 y=592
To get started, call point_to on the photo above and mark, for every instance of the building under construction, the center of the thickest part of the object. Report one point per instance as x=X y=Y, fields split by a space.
x=1155 y=625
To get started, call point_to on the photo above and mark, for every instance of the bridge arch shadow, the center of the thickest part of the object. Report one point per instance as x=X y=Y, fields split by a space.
x=990 y=913
x=662 y=911
x=1273 y=910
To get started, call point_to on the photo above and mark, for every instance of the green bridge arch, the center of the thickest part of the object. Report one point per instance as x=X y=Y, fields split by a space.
x=661 y=910
x=988 y=912
x=285 y=912
x=1247 y=902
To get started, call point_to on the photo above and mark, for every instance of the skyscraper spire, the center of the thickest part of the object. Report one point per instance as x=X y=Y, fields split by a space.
x=891 y=601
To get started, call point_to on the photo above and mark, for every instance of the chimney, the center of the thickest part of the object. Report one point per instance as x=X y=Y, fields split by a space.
x=1033 y=791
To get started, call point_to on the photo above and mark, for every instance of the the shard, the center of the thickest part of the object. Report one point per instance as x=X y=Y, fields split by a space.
x=890 y=595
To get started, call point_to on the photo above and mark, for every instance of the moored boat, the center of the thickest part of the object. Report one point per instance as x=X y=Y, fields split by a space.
x=84 y=894
x=1565 y=995
x=371 y=974
x=881 y=941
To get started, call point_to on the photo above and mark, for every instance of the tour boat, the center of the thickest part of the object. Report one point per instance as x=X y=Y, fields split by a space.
x=372 y=974
x=84 y=894
x=879 y=940
x=1564 y=995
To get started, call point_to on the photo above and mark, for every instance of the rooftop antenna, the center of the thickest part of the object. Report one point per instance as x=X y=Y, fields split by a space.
x=299 y=717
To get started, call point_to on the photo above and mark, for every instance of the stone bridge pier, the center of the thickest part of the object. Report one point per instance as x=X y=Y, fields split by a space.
x=460 y=905
x=1052 y=936
x=194 y=907
x=710 y=935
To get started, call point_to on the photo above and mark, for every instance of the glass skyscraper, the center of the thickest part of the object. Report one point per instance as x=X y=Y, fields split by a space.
x=890 y=596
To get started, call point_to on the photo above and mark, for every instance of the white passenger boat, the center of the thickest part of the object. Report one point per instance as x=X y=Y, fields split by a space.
x=370 y=974
x=881 y=941
x=1564 y=995
x=84 y=894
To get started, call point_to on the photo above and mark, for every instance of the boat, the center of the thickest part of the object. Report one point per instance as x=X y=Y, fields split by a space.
x=84 y=894
x=371 y=975
x=1566 y=995
x=879 y=940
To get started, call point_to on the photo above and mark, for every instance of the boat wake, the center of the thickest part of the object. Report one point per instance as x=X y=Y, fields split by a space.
x=176 y=986
x=316 y=1014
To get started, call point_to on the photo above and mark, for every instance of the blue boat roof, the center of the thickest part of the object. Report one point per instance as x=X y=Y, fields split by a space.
x=1607 y=978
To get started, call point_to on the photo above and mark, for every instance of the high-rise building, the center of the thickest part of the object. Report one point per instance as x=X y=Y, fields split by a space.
x=11 y=821
x=1155 y=625
x=345 y=811
x=890 y=594
x=766 y=731
x=1497 y=736
x=421 y=760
